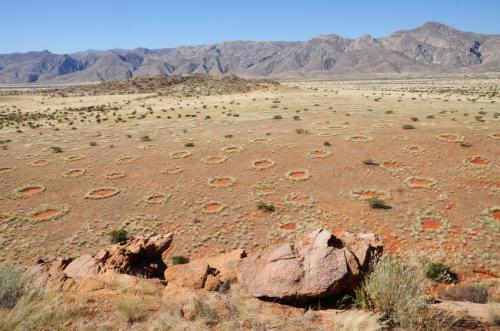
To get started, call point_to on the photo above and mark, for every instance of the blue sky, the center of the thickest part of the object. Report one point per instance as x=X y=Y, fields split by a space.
x=69 y=26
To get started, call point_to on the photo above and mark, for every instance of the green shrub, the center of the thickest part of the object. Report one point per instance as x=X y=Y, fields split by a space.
x=179 y=260
x=118 y=236
x=376 y=203
x=397 y=291
x=11 y=285
x=440 y=273
x=266 y=207
x=370 y=162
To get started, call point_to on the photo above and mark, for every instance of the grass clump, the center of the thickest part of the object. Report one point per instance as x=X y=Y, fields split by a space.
x=265 y=207
x=146 y=138
x=130 y=309
x=397 y=291
x=440 y=273
x=477 y=293
x=408 y=127
x=118 y=236
x=11 y=285
x=179 y=260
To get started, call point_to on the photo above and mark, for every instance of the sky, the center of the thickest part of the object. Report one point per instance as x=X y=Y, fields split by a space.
x=70 y=26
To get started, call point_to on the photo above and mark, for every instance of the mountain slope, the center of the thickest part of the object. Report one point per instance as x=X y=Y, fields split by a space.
x=430 y=48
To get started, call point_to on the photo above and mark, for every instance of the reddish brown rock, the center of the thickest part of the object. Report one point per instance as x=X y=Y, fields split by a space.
x=320 y=266
x=83 y=266
x=140 y=256
x=206 y=273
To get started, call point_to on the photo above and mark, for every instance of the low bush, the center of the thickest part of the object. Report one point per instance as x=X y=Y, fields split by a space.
x=179 y=260
x=118 y=236
x=440 y=273
x=266 y=207
x=397 y=291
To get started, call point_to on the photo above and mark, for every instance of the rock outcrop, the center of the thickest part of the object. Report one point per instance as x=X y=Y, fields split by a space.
x=206 y=273
x=140 y=256
x=320 y=266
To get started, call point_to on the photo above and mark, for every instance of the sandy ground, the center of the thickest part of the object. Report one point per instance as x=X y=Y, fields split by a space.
x=210 y=159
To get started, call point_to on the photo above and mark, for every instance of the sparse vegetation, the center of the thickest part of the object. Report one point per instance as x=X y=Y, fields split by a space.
x=439 y=272
x=376 y=203
x=408 y=127
x=477 y=293
x=397 y=291
x=265 y=207
x=370 y=162
x=12 y=286
x=179 y=260
x=118 y=236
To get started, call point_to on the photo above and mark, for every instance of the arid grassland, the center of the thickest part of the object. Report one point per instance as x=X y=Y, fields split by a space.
x=226 y=164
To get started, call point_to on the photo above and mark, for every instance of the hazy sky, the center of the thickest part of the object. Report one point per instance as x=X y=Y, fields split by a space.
x=69 y=26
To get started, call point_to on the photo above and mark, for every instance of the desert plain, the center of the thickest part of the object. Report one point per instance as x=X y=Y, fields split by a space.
x=248 y=164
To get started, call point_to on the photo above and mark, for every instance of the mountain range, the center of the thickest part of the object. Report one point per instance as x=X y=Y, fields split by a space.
x=432 y=48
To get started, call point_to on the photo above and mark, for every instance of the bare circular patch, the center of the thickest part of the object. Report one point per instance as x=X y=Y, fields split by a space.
x=367 y=194
x=318 y=153
x=173 y=170
x=74 y=173
x=156 y=198
x=115 y=175
x=298 y=199
x=263 y=164
x=450 y=137
x=27 y=191
x=262 y=190
x=430 y=223
x=359 y=138
x=232 y=149
x=260 y=140
x=180 y=154
x=47 y=212
x=288 y=227
x=214 y=159
x=495 y=135
x=146 y=146
x=224 y=181
x=420 y=182
x=393 y=166
x=213 y=207
x=492 y=214
x=102 y=193
x=127 y=159
x=298 y=175
x=478 y=160
x=4 y=170
x=413 y=149
x=38 y=163
x=74 y=158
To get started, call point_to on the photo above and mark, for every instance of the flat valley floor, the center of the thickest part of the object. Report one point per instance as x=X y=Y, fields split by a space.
x=199 y=166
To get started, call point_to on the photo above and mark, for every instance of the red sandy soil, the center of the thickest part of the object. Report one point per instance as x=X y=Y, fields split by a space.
x=45 y=214
x=430 y=223
x=31 y=190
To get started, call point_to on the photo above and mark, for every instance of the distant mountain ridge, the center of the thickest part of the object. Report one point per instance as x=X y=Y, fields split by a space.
x=430 y=48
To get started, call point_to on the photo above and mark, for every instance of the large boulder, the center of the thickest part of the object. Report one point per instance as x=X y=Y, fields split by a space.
x=322 y=265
